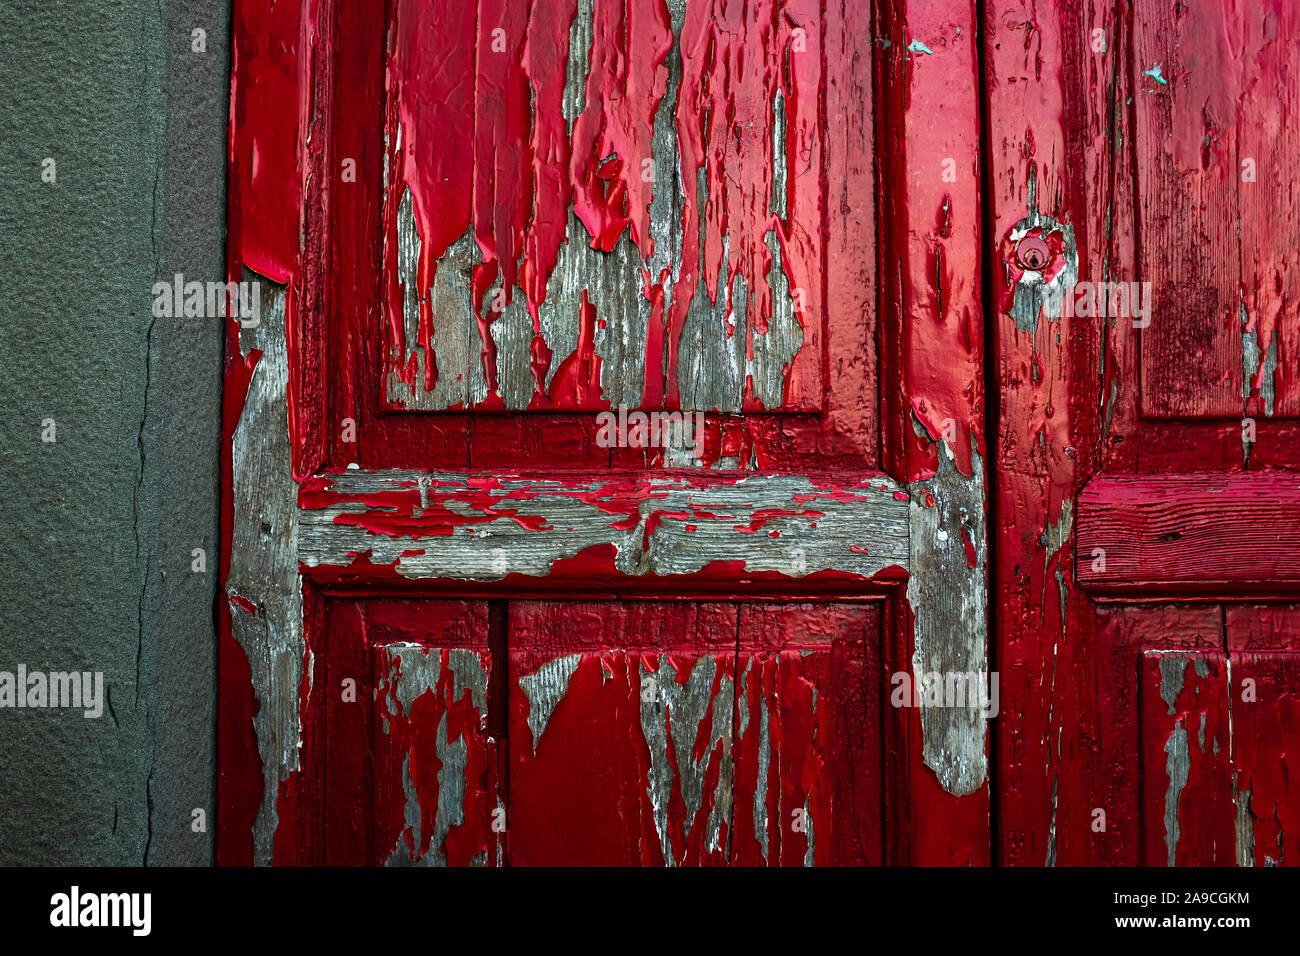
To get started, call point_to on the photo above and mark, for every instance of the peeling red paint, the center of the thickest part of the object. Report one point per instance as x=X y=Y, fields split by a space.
x=1138 y=428
x=415 y=511
x=931 y=258
x=802 y=670
x=269 y=107
x=933 y=267
x=416 y=742
x=1189 y=739
x=597 y=781
x=625 y=82
x=512 y=188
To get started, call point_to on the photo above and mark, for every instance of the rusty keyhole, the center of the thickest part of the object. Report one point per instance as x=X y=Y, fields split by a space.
x=1033 y=253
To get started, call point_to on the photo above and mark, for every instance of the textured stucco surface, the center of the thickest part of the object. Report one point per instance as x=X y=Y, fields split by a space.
x=99 y=526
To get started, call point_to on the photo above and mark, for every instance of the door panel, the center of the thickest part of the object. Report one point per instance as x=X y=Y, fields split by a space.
x=1188 y=810
x=555 y=207
x=808 y=743
x=465 y=263
x=685 y=750
x=1265 y=657
x=1126 y=476
x=637 y=733
x=411 y=767
x=621 y=732
x=1217 y=733
x=704 y=286
x=1214 y=148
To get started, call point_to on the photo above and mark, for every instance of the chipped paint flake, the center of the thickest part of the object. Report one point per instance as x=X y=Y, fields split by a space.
x=1258 y=372
x=1155 y=74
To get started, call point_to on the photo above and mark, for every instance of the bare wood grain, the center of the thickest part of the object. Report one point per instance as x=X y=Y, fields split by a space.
x=1201 y=536
x=483 y=527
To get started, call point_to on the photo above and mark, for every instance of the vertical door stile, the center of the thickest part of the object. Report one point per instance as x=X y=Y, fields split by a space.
x=264 y=657
x=1050 y=177
x=930 y=269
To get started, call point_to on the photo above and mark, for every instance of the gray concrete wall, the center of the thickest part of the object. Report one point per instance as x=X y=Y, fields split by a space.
x=99 y=525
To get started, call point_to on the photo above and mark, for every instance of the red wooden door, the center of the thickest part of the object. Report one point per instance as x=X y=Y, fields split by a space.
x=477 y=613
x=1146 y=500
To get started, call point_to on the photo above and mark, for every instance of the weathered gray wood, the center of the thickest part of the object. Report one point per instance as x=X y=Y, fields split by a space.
x=512 y=334
x=674 y=712
x=857 y=527
x=774 y=350
x=949 y=606
x=545 y=688
x=454 y=333
x=612 y=283
x=711 y=352
x=264 y=559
